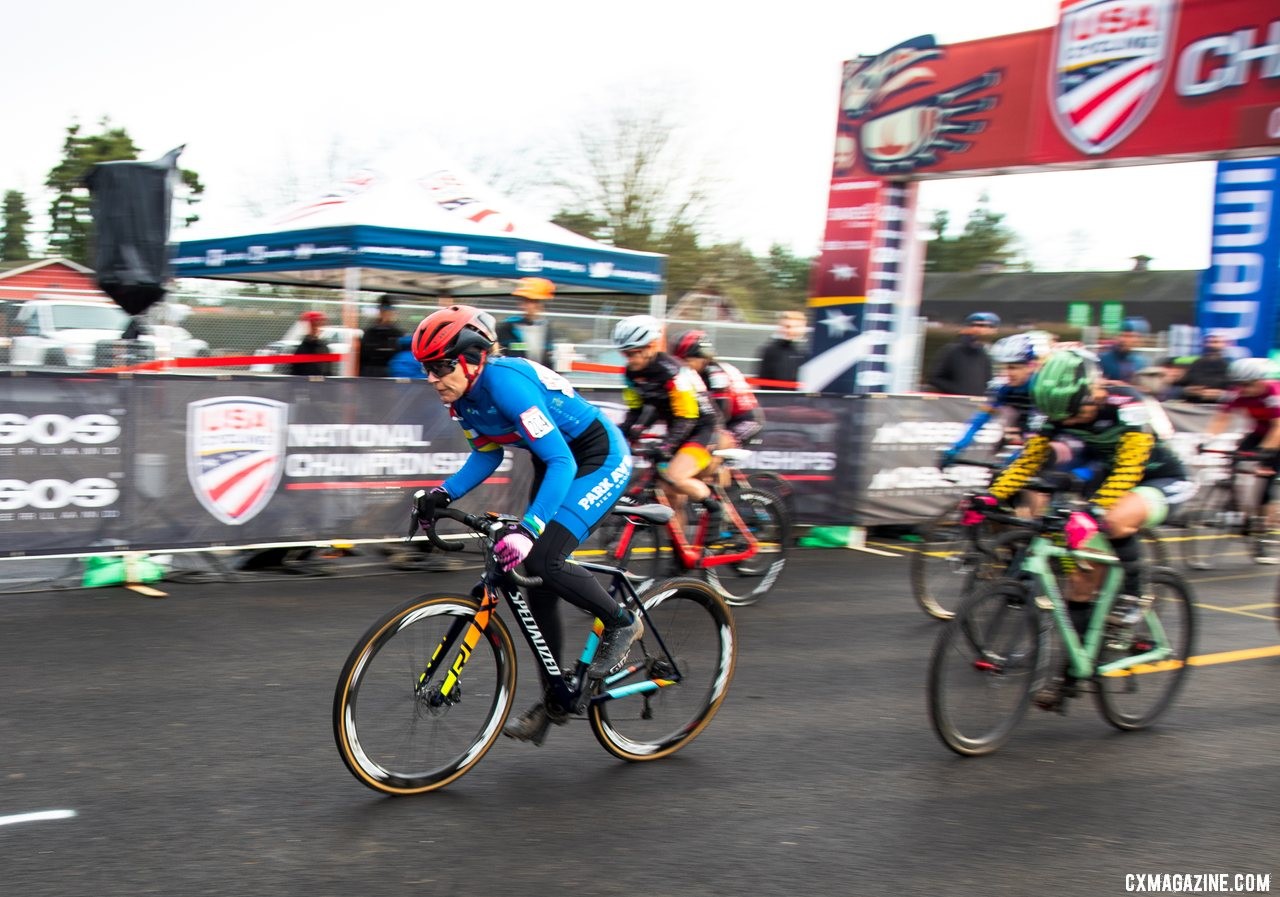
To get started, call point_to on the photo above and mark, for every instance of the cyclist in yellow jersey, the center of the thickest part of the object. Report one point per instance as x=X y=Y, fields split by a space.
x=661 y=389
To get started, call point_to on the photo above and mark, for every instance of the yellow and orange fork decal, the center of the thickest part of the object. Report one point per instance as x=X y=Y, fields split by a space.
x=469 y=641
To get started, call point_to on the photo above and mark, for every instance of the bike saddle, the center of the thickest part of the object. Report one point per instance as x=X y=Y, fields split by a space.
x=654 y=513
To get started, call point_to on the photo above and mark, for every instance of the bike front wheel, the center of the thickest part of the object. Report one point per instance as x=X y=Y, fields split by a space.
x=944 y=565
x=691 y=622
x=1133 y=698
x=982 y=669
x=747 y=581
x=400 y=735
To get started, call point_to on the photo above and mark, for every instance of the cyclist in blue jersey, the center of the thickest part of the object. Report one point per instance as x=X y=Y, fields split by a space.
x=1008 y=395
x=581 y=467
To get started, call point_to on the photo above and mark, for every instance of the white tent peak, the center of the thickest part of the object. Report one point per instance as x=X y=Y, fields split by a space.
x=423 y=191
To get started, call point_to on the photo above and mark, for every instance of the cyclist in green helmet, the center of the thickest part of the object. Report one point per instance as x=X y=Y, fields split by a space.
x=1131 y=479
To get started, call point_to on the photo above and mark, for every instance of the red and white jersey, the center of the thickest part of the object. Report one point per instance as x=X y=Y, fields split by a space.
x=729 y=389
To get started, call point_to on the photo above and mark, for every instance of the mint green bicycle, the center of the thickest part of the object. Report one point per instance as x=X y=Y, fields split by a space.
x=1014 y=636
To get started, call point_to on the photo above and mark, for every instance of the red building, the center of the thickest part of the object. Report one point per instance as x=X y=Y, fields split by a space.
x=55 y=277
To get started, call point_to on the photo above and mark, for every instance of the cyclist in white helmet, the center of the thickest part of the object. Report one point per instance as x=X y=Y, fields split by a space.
x=1008 y=395
x=1253 y=390
x=661 y=389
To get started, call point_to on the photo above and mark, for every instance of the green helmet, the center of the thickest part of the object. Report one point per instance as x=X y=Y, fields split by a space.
x=1064 y=381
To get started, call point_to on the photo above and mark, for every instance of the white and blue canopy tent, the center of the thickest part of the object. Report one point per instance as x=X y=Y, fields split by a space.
x=415 y=225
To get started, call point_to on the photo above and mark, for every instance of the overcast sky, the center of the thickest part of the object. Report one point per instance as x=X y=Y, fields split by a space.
x=256 y=89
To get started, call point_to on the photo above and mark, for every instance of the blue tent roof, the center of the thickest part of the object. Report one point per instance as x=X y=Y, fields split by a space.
x=434 y=229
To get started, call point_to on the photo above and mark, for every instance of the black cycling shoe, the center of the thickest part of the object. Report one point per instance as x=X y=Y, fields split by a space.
x=534 y=723
x=614 y=645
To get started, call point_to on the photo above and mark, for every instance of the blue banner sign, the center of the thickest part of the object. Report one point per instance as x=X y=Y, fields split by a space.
x=1238 y=291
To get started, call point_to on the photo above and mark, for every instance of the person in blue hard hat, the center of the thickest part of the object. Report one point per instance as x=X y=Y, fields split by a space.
x=1122 y=361
x=963 y=367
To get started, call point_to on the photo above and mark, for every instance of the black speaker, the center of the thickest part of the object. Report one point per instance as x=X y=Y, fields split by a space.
x=131 y=210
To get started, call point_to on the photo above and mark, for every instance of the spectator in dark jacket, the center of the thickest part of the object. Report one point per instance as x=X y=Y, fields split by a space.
x=963 y=367
x=379 y=342
x=1206 y=378
x=312 y=344
x=781 y=357
x=1122 y=361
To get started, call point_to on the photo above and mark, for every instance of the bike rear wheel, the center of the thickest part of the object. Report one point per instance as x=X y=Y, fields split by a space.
x=697 y=627
x=746 y=582
x=982 y=669
x=944 y=565
x=1135 y=698
x=398 y=738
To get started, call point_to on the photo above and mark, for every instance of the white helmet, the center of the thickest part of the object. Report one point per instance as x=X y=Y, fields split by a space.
x=1243 y=370
x=1021 y=348
x=636 y=332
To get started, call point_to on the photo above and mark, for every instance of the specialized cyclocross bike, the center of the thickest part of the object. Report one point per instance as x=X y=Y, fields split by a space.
x=427 y=689
x=951 y=559
x=741 y=561
x=1014 y=635
x=1225 y=509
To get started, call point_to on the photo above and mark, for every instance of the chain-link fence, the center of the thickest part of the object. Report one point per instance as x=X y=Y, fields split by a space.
x=68 y=329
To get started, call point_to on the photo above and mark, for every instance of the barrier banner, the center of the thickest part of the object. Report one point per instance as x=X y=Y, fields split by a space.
x=1238 y=291
x=899 y=437
x=173 y=461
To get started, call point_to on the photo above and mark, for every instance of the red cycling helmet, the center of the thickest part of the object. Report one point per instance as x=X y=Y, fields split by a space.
x=450 y=332
x=692 y=344
x=460 y=335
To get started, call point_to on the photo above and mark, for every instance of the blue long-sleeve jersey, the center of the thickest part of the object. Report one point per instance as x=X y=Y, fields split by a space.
x=515 y=402
x=999 y=395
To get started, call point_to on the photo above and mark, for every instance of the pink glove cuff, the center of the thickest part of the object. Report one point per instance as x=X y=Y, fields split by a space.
x=1080 y=528
x=511 y=550
x=976 y=512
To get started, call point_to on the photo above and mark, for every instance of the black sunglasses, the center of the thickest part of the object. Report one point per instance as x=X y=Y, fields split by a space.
x=440 y=368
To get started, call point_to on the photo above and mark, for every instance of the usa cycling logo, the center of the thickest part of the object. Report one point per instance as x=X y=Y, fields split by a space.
x=898 y=140
x=1109 y=63
x=235 y=454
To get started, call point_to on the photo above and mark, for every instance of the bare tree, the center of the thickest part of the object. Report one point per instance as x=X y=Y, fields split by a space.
x=630 y=175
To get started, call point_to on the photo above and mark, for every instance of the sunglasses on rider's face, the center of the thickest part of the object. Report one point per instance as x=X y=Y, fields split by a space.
x=441 y=367
x=632 y=353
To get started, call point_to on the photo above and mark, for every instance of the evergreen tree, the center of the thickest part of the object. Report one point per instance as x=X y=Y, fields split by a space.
x=14 y=247
x=985 y=240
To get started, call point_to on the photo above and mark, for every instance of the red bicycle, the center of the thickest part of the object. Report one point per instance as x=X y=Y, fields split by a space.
x=741 y=561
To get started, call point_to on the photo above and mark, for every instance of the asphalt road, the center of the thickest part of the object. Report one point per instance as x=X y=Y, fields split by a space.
x=191 y=737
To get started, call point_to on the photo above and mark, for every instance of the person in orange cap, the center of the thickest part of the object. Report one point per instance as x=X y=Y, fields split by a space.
x=312 y=344
x=530 y=335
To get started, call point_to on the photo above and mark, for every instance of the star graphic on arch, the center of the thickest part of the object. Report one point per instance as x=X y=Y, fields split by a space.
x=838 y=323
x=844 y=272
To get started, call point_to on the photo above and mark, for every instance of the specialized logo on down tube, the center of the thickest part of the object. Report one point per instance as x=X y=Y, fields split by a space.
x=1109 y=63
x=235 y=454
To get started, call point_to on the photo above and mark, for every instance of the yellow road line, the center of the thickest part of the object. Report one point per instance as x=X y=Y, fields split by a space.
x=1255 y=575
x=1201 y=660
x=1237 y=611
x=1205 y=660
